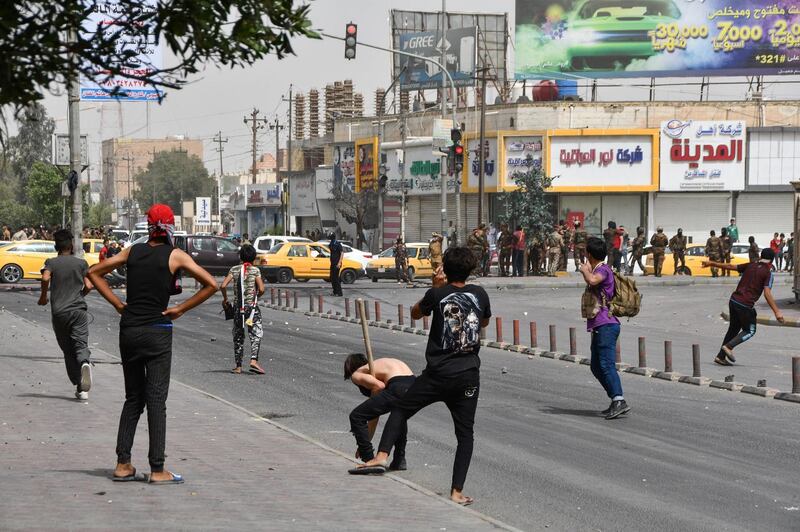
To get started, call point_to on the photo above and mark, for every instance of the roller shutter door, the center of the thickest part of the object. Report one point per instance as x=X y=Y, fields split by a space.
x=413 y=209
x=696 y=214
x=761 y=214
x=624 y=210
x=391 y=222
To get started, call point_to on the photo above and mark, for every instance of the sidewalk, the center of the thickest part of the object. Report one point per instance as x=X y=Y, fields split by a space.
x=574 y=280
x=242 y=472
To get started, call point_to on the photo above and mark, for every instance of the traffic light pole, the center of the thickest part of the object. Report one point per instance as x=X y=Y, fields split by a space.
x=444 y=174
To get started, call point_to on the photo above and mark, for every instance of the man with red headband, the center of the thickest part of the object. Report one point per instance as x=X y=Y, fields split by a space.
x=145 y=335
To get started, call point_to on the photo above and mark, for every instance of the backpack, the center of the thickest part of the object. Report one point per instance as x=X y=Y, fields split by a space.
x=627 y=300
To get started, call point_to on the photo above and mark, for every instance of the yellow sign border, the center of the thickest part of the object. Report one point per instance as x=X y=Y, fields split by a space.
x=375 y=161
x=502 y=186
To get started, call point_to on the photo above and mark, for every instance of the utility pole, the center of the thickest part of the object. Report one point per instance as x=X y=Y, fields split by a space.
x=443 y=173
x=220 y=141
x=481 y=142
x=403 y=126
x=256 y=124
x=154 y=178
x=74 y=113
x=285 y=195
x=276 y=127
x=128 y=159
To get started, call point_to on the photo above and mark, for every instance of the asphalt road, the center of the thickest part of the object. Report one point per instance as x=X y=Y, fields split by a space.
x=686 y=458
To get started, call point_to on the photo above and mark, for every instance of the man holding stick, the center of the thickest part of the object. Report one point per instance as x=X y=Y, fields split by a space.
x=452 y=374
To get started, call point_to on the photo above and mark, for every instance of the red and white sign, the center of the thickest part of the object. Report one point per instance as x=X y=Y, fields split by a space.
x=703 y=155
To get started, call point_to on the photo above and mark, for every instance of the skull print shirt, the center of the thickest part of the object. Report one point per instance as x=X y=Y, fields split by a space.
x=454 y=340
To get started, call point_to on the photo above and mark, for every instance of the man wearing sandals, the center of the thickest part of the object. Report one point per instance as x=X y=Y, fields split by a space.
x=452 y=374
x=145 y=335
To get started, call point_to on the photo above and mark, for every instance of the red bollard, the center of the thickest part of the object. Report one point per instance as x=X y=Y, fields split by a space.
x=319 y=304
x=347 y=307
x=295 y=299
x=696 y=360
x=515 y=324
x=573 y=341
x=668 y=356
x=618 y=350
x=311 y=302
x=377 y=311
x=399 y=314
x=424 y=323
x=286 y=293
x=498 y=326
x=795 y=374
x=366 y=311
x=642 y=353
x=271 y=296
x=552 y=338
x=534 y=339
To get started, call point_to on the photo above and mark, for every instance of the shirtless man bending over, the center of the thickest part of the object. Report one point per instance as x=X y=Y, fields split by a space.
x=392 y=380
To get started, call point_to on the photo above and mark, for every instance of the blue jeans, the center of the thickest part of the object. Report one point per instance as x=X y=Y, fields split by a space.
x=604 y=369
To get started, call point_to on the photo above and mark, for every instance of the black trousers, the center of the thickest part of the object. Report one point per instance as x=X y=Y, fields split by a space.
x=459 y=393
x=375 y=407
x=518 y=258
x=742 y=325
x=146 y=361
x=335 y=282
x=72 y=334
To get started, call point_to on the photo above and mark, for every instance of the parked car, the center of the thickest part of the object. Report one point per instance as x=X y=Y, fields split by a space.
x=695 y=255
x=119 y=235
x=266 y=242
x=608 y=34
x=350 y=252
x=214 y=253
x=24 y=259
x=418 y=263
x=303 y=261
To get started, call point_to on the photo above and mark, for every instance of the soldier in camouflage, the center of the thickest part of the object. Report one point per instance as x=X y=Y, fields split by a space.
x=659 y=242
x=677 y=244
x=714 y=251
x=727 y=245
x=554 y=244
x=637 y=250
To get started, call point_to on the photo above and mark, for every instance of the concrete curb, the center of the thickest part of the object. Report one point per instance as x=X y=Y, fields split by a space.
x=532 y=352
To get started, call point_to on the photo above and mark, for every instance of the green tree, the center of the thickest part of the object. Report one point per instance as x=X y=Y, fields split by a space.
x=170 y=177
x=33 y=143
x=359 y=208
x=44 y=193
x=98 y=215
x=529 y=205
x=34 y=55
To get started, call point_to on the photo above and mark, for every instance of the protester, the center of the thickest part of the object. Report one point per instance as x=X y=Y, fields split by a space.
x=604 y=327
x=775 y=246
x=756 y=278
x=6 y=233
x=781 y=246
x=104 y=250
x=21 y=234
x=452 y=374
x=753 y=251
x=518 y=252
x=248 y=288
x=65 y=277
x=733 y=231
x=146 y=335
x=384 y=389
x=335 y=247
x=790 y=253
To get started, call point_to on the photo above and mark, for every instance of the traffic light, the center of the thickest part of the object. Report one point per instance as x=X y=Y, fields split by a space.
x=350 y=40
x=457 y=155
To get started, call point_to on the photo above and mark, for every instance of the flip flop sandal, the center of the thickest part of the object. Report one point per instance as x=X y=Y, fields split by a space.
x=466 y=502
x=176 y=479
x=371 y=470
x=236 y=371
x=256 y=370
x=135 y=477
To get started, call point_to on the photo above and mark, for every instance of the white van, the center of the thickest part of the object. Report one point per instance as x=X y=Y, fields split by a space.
x=264 y=243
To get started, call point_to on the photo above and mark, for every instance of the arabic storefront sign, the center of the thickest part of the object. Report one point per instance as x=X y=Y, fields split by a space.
x=422 y=172
x=263 y=195
x=366 y=164
x=635 y=38
x=702 y=155
x=112 y=18
x=344 y=166
x=603 y=160
x=302 y=196
x=520 y=154
x=472 y=165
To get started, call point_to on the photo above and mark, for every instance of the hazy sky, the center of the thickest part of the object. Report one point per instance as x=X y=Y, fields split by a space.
x=218 y=99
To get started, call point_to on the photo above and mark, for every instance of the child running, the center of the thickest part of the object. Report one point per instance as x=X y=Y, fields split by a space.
x=452 y=374
x=248 y=288
x=65 y=276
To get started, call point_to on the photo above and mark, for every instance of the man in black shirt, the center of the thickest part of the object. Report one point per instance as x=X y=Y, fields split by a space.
x=452 y=374
x=336 y=264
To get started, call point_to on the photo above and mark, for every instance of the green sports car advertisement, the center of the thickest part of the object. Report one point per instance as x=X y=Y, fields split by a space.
x=576 y=39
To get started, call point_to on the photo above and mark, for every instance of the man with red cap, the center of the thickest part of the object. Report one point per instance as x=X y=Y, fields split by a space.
x=145 y=335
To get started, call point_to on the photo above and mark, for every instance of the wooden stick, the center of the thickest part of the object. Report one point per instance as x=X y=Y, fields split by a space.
x=362 y=315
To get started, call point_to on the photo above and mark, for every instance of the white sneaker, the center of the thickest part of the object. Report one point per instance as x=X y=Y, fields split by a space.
x=86 y=377
x=81 y=396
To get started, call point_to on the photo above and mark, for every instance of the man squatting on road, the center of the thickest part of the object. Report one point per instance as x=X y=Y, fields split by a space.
x=603 y=326
x=452 y=374
x=145 y=335
x=756 y=278
x=65 y=276
x=390 y=383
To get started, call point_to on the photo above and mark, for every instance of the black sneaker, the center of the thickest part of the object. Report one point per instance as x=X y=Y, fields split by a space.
x=722 y=360
x=618 y=408
x=728 y=352
x=398 y=464
x=607 y=410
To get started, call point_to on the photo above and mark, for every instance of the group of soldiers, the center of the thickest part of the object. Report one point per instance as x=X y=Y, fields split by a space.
x=401 y=256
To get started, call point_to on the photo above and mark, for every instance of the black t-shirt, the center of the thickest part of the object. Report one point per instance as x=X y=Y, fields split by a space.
x=336 y=252
x=454 y=339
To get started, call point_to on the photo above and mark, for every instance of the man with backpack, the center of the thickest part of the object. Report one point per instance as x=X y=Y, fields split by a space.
x=596 y=306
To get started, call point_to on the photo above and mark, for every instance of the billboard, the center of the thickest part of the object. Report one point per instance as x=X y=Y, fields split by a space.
x=423 y=172
x=302 y=197
x=202 y=210
x=148 y=58
x=344 y=166
x=576 y=39
x=472 y=164
x=703 y=155
x=264 y=195
x=366 y=164
x=600 y=160
x=522 y=152
x=459 y=52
